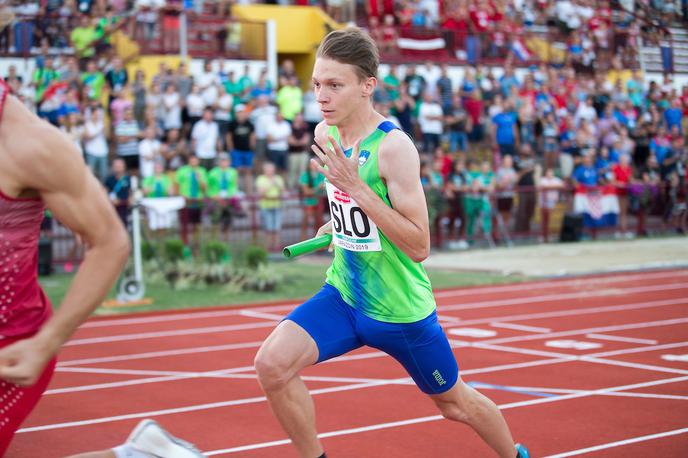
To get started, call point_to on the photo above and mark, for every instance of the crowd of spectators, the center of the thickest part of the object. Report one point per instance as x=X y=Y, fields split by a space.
x=489 y=140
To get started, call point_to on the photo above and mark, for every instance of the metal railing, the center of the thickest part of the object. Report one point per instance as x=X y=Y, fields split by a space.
x=649 y=210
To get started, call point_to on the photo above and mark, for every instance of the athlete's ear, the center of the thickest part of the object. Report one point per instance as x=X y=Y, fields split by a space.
x=369 y=86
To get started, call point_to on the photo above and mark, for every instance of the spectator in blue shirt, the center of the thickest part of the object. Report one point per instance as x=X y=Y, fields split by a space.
x=660 y=144
x=673 y=115
x=586 y=174
x=508 y=80
x=506 y=131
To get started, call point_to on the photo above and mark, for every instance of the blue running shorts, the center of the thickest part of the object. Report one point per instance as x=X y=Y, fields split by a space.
x=421 y=347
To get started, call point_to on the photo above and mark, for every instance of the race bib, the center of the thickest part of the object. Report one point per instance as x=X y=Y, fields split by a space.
x=351 y=227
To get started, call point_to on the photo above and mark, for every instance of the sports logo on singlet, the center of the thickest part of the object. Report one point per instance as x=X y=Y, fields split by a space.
x=351 y=227
x=363 y=157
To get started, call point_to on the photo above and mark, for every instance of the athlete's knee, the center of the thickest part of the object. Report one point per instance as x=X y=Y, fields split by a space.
x=273 y=370
x=459 y=405
x=455 y=411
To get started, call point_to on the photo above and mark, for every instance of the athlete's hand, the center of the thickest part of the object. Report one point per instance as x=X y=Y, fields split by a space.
x=326 y=229
x=23 y=362
x=339 y=170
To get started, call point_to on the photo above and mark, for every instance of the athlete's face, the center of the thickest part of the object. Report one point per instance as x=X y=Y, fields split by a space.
x=339 y=90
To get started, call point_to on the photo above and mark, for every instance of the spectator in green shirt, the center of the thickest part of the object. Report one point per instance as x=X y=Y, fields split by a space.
x=94 y=80
x=245 y=84
x=391 y=83
x=312 y=188
x=481 y=182
x=158 y=184
x=223 y=189
x=290 y=99
x=82 y=37
x=191 y=182
x=270 y=187
x=43 y=76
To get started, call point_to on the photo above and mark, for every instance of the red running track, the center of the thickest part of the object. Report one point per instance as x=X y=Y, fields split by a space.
x=590 y=366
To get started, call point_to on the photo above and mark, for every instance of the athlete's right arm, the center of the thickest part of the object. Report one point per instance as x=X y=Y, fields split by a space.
x=48 y=163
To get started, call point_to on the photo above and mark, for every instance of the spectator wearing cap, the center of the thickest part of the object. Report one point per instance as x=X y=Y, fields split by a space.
x=205 y=139
x=241 y=141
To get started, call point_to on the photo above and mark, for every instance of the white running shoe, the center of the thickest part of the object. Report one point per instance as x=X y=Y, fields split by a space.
x=151 y=438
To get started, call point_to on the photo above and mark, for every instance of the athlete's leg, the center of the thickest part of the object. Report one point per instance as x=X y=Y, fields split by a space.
x=315 y=331
x=424 y=351
x=280 y=359
x=466 y=405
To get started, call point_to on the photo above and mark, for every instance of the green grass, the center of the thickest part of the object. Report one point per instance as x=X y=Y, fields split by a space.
x=300 y=280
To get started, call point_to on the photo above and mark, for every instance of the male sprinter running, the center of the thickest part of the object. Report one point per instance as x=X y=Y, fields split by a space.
x=40 y=167
x=377 y=292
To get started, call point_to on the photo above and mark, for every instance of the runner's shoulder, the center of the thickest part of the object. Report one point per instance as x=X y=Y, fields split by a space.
x=35 y=147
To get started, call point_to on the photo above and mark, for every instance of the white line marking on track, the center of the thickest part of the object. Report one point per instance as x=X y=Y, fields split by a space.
x=621 y=339
x=560 y=297
x=255 y=314
x=159 y=354
x=176 y=332
x=411 y=421
x=212 y=405
x=632 y=440
x=488 y=344
x=519 y=327
x=245 y=326
x=529 y=286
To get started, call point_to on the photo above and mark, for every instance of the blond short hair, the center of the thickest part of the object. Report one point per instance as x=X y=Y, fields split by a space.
x=354 y=47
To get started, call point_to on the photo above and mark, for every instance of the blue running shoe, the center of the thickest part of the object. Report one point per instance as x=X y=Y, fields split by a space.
x=522 y=451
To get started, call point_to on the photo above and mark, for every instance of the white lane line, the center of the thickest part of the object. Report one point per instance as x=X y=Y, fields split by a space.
x=246 y=326
x=648 y=395
x=577 y=311
x=159 y=354
x=176 y=332
x=109 y=322
x=519 y=327
x=192 y=408
x=647 y=367
x=255 y=314
x=560 y=297
x=621 y=339
x=558 y=357
x=627 y=351
x=618 y=327
x=554 y=284
x=412 y=421
x=631 y=440
x=98 y=386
